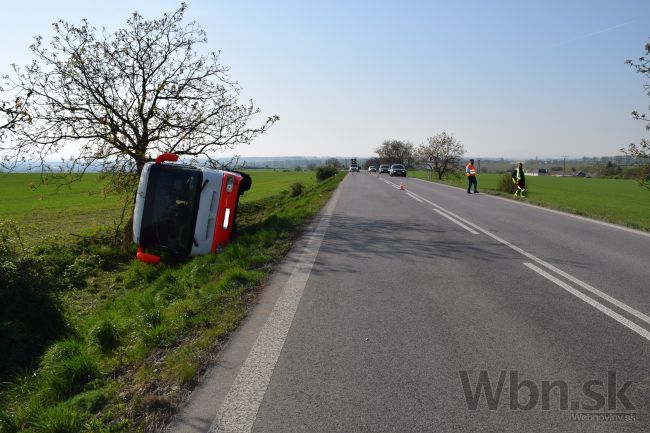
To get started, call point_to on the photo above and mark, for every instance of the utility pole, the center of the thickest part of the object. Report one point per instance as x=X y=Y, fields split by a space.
x=564 y=169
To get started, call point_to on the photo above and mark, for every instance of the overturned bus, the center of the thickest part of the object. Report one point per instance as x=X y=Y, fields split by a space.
x=185 y=210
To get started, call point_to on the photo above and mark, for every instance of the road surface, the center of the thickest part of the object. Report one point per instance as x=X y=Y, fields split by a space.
x=429 y=309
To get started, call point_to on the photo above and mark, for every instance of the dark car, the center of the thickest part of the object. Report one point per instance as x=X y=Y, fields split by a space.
x=397 y=170
x=383 y=168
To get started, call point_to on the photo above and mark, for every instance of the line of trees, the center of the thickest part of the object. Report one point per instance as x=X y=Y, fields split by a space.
x=442 y=152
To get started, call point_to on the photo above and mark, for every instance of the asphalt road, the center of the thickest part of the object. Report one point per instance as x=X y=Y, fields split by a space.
x=385 y=317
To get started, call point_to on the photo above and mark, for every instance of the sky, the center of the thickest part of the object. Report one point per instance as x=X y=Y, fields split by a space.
x=507 y=78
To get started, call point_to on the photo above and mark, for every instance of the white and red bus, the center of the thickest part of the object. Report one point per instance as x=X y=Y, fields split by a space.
x=185 y=210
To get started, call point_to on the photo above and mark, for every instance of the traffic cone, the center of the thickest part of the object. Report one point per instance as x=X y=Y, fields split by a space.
x=401 y=186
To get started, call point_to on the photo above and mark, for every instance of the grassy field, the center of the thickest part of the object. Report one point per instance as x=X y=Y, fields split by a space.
x=619 y=201
x=268 y=182
x=41 y=210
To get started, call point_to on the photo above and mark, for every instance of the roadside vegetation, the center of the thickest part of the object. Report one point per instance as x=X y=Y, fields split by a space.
x=45 y=210
x=621 y=201
x=100 y=342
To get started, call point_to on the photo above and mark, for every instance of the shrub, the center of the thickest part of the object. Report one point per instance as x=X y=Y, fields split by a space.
x=325 y=172
x=297 y=189
x=506 y=184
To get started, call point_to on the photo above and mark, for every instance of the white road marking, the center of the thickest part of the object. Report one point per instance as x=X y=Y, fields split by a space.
x=595 y=291
x=421 y=199
x=457 y=222
x=238 y=412
x=636 y=313
x=560 y=272
x=413 y=197
x=558 y=212
x=597 y=305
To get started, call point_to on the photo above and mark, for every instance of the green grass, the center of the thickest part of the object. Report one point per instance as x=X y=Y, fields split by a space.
x=138 y=335
x=42 y=210
x=268 y=182
x=620 y=201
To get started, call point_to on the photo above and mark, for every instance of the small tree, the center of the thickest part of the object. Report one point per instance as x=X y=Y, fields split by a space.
x=443 y=152
x=641 y=151
x=395 y=152
x=122 y=98
x=334 y=162
x=325 y=172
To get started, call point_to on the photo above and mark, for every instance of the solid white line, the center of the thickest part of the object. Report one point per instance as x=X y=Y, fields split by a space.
x=457 y=222
x=554 y=211
x=413 y=197
x=238 y=412
x=597 y=305
x=584 y=285
x=595 y=291
x=428 y=201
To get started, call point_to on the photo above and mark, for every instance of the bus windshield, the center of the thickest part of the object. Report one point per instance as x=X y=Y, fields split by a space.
x=170 y=208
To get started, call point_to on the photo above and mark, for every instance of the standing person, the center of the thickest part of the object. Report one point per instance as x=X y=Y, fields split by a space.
x=519 y=178
x=470 y=172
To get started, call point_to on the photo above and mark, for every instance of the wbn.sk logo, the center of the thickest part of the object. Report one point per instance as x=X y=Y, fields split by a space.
x=527 y=395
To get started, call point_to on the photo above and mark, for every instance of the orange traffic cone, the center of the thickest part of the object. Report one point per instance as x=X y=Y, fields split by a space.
x=401 y=186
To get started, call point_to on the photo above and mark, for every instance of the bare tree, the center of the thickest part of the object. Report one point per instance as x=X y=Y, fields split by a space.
x=641 y=151
x=443 y=152
x=395 y=152
x=334 y=162
x=122 y=98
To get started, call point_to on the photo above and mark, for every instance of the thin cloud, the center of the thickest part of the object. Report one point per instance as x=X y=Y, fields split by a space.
x=588 y=35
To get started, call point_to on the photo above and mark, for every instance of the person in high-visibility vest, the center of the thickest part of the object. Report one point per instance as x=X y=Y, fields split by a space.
x=470 y=172
x=519 y=178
